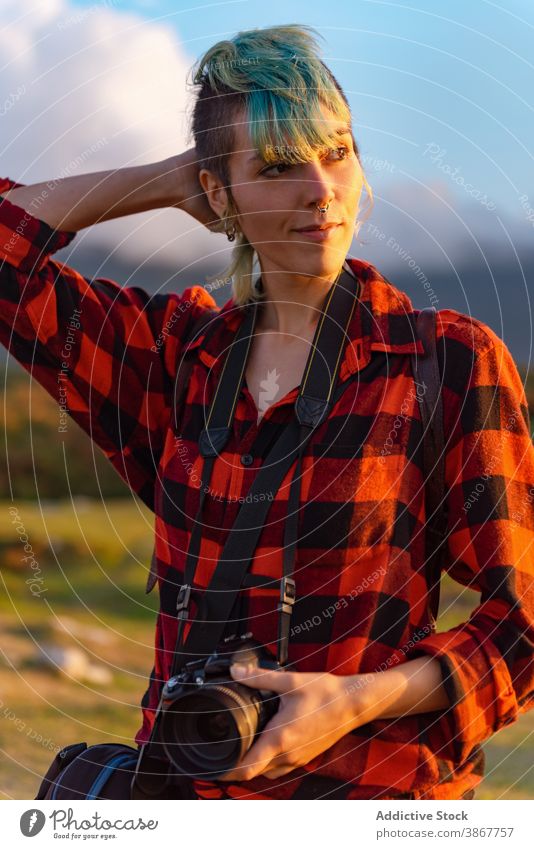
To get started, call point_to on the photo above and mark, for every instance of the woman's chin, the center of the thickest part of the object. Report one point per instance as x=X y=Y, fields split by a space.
x=320 y=260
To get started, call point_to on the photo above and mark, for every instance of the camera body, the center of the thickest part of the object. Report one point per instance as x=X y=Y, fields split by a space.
x=206 y=721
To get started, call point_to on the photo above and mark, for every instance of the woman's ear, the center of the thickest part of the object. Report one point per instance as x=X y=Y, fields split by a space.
x=215 y=191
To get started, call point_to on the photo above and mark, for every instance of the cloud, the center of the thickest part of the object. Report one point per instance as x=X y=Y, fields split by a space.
x=438 y=225
x=93 y=89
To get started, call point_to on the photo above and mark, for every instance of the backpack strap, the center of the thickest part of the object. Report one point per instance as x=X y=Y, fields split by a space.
x=180 y=387
x=428 y=389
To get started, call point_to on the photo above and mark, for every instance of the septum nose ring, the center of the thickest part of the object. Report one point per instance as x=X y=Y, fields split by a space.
x=322 y=209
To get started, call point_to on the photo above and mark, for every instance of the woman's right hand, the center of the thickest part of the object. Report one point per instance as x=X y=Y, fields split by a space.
x=190 y=196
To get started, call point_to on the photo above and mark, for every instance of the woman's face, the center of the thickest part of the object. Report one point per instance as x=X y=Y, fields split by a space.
x=275 y=202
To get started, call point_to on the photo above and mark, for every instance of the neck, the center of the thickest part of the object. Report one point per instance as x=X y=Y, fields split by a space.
x=292 y=307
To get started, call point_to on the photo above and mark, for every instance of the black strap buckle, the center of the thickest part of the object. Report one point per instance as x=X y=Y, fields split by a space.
x=287 y=594
x=182 y=601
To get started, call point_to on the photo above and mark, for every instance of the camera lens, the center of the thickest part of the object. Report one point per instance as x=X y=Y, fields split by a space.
x=207 y=732
x=213 y=728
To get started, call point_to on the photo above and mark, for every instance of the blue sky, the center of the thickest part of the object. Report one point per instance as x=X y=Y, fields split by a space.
x=458 y=76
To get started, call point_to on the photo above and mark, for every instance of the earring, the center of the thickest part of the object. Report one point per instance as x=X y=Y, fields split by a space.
x=230 y=231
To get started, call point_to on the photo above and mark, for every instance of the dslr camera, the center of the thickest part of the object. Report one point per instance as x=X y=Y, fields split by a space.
x=206 y=721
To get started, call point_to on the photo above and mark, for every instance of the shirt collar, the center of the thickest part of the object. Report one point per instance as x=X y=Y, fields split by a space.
x=383 y=320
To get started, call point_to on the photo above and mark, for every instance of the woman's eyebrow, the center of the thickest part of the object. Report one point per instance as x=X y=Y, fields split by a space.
x=341 y=131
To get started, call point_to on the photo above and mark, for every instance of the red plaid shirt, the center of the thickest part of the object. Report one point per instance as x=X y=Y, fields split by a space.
x=359 y=571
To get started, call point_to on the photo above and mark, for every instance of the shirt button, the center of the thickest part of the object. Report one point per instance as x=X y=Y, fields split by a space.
x=247 y=459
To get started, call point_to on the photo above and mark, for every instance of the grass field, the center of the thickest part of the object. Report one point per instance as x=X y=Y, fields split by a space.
x=92 y=561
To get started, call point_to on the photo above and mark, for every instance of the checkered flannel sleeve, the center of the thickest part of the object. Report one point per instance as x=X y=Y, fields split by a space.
x=487 y=662
x=112 y=350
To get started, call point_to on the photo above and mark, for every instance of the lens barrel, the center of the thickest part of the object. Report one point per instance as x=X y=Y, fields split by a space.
x=206 y=732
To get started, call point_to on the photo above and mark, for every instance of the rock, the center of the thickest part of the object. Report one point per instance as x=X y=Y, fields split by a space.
x=64 y=624
x=74 y=663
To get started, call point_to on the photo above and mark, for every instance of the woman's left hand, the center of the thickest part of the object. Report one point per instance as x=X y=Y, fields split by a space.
x=315 y=711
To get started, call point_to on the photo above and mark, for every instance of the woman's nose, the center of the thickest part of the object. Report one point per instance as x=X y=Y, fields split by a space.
x=317 y=183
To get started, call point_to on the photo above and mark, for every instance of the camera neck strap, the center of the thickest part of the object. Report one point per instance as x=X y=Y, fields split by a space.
x=318 y=392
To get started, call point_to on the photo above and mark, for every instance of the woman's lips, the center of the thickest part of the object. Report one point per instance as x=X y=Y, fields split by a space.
x=319 y=235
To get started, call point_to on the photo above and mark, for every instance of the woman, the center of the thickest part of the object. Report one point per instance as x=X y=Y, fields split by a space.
x=378 y=705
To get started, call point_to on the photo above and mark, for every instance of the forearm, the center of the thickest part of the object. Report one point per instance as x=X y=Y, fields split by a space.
x=72 y=203
x=412 y=687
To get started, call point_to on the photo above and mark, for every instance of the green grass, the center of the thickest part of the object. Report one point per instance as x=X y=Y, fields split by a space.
x=93 y=561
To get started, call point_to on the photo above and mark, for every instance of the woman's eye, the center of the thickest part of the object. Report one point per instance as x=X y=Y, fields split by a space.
x=283 y=165
x=342 y=152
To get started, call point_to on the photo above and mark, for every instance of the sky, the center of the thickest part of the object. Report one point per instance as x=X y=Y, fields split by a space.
x=458 y=75
x=441 y=97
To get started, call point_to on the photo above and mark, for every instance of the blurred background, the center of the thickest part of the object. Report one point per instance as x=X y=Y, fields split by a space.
x=443 y=113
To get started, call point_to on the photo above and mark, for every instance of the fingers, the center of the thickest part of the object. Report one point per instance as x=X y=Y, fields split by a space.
x=268 y=753
x=274 y=768
x=263 y=679
x=278 y=773
x=248 y=768
x=262 y=754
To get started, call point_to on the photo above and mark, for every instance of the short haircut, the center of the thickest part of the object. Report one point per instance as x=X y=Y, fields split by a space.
x=276 y=78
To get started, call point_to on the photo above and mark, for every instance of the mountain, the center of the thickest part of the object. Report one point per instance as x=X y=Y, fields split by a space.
x=495 y=289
